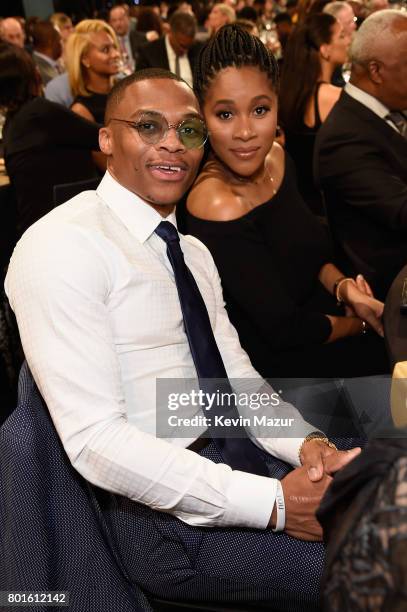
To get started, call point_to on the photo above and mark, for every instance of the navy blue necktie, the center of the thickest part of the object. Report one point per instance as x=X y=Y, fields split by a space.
x=238 y=452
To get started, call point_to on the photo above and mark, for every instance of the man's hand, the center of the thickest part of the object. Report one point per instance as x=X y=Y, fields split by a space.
x=319 y=459
x=302 y=498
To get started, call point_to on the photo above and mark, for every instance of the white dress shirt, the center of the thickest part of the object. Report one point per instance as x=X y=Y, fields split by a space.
x=100 y=320
x=370 y=102
x=184 y=65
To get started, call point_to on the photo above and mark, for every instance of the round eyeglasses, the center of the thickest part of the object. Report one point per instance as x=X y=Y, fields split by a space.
x=153 y=127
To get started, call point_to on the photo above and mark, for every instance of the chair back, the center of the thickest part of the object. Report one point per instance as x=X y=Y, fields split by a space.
x=65 y=191
x=53 y=536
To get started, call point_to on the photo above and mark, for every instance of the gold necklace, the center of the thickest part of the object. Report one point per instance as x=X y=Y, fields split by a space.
x=243 y=179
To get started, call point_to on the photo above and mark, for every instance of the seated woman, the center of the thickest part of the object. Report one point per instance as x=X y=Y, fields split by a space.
x=45 y=144
x=306 y=97
x=273 y=256
x=93 y=59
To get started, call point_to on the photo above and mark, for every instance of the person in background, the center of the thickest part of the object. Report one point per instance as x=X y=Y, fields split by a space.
x=306 y=95
x=12 y=32
x=63 y=24
x=361 y=154
x=248 y=25
x=44 y=143
x=177 y=51
x=343 y=12
x=149 y=22
x=94 y=60
x=284 y=28
x=280 y=285
x=376 y=5
x=128 y=38
x=47 y=50
x=220 y=15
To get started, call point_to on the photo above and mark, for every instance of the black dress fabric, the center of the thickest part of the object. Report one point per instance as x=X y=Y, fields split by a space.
x=46 y=144
x=269 y=261
x=95 y=103
x=300 y=146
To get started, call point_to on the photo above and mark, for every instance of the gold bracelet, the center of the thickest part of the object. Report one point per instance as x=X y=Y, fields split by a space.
x=316 y=435
x=340 y=300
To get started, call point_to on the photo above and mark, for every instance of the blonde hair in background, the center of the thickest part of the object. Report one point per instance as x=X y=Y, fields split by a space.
x=76 y=47
x=59 y=19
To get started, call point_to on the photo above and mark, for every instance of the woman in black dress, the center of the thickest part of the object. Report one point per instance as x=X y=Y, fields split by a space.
x=307 y=96
x=274 y=258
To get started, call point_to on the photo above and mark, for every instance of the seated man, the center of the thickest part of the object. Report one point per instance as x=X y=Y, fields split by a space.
x=177 y=51
x=106 y=306
x=361 y=155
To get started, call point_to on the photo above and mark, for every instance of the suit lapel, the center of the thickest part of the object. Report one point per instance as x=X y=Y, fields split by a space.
x=394 y=140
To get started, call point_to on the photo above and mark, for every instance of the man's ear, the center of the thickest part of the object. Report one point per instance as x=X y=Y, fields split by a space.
x=374 y=72
x=105 y=140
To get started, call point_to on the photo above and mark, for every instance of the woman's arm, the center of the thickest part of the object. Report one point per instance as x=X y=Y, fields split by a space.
x=358 y=298
x=81 y=110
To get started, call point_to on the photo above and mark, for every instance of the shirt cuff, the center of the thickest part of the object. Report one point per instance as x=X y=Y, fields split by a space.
x=250 y=500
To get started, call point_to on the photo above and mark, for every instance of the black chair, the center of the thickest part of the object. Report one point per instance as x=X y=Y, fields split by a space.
x=66 y=191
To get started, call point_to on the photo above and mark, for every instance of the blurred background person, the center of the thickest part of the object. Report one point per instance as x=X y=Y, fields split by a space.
x=220 y=15
x=306 y=96
x=12 y=32
x=177 y=51
x=249 y=26
x=47 y=49
x=149 y=24
x=129 y=39
x=343 y=12
x=44 y=143
x=94 y=61
x=63 y=24
x=284 y=28
x=376 y=5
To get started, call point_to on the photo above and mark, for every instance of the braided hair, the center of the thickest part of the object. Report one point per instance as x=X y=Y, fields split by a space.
x=232 y=46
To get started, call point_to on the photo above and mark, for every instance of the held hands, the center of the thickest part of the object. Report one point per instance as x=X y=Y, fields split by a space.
x=302 y=498
x=304 y=487
x=360 y=302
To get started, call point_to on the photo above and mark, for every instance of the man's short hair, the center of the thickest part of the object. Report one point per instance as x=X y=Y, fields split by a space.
x=334 y=8
x=227 y=10
x=368 y=38
x=283 y=18
x=43 y=33
x=184 y=23
x=117 y=93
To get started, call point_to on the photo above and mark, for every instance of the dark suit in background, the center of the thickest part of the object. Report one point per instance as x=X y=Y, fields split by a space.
x=137 y=40
x=154 y=55
x=46 y=69
x=361 y=163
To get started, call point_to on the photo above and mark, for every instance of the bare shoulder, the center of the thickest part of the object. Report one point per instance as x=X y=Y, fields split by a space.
x=328 y=95
x=212 y=198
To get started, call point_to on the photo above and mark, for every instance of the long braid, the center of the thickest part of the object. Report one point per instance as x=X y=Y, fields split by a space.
x=232 y=46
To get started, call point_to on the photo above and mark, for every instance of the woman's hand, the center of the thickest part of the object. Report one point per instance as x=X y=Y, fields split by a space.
x=359 y=301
